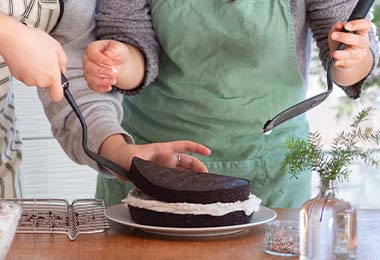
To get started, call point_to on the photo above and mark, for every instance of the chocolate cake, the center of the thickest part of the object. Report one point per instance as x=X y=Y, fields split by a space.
x=179 y=198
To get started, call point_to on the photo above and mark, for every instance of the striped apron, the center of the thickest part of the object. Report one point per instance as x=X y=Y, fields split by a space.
x=43 y=14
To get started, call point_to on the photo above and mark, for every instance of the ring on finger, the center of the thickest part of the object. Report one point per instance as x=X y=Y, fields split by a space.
x=178 y=159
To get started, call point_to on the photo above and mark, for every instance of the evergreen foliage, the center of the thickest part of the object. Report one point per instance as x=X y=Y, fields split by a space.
x=309 y=154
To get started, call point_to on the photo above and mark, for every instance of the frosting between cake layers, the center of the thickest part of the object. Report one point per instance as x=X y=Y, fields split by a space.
x=138 y=199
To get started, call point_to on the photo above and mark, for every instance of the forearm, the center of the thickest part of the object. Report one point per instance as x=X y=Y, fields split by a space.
x=349 y=76
x=133 y=72
x=6 y=27
x=111 y=144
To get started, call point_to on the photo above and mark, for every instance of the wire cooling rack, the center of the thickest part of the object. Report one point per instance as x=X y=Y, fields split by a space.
x=57 y=216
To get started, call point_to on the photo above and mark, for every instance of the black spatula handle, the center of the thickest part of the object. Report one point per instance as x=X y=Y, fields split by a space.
x=361 y=9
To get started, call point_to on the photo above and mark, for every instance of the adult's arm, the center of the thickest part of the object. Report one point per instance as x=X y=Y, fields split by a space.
x=322 y=16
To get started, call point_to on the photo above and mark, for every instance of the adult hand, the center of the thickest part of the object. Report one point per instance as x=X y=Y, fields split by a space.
x=33 y=57
x=357 y=44
x=165 y=154
x=101 y=62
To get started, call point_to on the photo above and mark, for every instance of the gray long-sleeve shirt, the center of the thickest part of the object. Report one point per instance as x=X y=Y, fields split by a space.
x=128 y=21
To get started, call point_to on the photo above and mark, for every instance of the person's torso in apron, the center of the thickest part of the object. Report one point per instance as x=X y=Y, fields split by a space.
x=43 y=14
x=226 y=67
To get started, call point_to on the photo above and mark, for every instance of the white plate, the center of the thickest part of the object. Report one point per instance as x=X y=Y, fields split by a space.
x=120 y=214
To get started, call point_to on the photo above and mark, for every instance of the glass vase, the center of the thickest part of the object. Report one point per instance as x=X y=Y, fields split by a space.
x=328 y=227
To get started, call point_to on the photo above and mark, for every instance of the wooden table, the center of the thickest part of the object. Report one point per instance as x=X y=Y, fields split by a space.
x=121 y=242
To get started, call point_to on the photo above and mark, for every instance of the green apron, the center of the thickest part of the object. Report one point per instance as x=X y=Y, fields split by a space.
x=225 y=68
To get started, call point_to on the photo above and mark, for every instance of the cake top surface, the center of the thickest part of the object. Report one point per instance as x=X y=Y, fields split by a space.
x=185 y=180
x=175 y=185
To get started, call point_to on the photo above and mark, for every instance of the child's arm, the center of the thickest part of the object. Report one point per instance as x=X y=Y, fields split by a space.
x=137 y=61
x=32 y=56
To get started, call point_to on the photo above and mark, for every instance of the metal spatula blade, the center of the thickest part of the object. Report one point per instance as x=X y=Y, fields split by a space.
x=295 y=110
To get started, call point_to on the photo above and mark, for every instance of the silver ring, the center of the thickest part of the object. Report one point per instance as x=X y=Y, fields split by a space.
x=178 y=159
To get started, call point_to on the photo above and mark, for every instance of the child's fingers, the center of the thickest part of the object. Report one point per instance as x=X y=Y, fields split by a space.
x=99 y=84
x=95 y=53
x=339 y=26
x=348 y=54
x=361 y=26
x=349 y=57
x=346 y=63
x=356 y=40
x=117 y=51
x=92 y=68
x=105 y=89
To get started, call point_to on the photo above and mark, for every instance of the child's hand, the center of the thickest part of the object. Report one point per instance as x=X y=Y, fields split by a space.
x=101 y=62
x=170 y=154
x=357 y=44
x=34 y=58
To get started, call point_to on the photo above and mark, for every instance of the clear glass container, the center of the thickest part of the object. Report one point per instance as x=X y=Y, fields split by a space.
x=282 y=238
x=328 y=227
x=10 y=214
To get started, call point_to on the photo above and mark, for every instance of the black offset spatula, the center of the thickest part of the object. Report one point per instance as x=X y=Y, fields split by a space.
x=113 y=167
x=360 y=11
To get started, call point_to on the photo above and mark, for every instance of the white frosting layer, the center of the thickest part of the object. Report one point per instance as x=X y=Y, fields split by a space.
x=138 y=199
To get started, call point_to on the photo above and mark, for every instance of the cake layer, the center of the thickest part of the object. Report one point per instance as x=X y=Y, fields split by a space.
x=154 y=218
x=174 y=185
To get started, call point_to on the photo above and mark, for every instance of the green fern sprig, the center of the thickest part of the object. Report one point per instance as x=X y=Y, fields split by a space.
x=308 y=154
